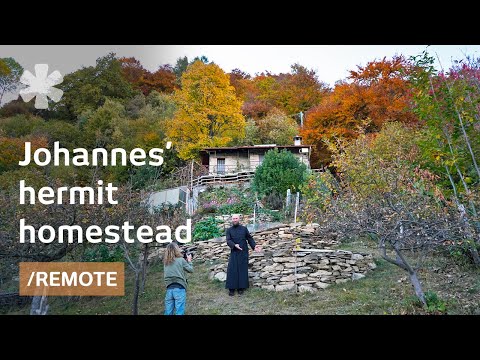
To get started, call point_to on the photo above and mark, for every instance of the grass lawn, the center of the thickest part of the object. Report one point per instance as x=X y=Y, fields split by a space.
x=385 y=290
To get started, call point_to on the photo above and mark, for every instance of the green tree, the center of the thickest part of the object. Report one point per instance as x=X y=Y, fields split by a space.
x=447 y=103
x=180 y=67
x=277 y=128
x=279 y=171
x=10 y=72
x=317 y=192
x=67 y=134
x=135 y=105
x=20 y=125
x=159 y=107
x=88 y=88
x=99 y=129
x=374 y=165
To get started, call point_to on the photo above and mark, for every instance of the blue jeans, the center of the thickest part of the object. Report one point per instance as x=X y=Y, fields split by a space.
x=175 y=300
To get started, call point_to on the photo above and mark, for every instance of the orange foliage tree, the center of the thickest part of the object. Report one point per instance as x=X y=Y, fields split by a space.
x=132 y=70
x=378 y=93
x=162 y=80
x=291 y=93
x=386 y=90
x=12 y=150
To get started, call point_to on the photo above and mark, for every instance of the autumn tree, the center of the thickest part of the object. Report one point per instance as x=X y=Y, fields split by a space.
x=275 y=128
x=292 y=92
x=341 y=114
x=162 y=80
x=209 y=113
x=241 y=81
x=12 y=151
x=132 y=70
x=299 y=90
x=4 y=69
x=182 y=64
x=385 y=87
x=377 y=93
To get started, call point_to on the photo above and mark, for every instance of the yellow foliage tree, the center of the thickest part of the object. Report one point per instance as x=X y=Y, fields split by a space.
x=208 y=114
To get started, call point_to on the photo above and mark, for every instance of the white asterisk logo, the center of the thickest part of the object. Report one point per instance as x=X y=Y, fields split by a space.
x=41 y=86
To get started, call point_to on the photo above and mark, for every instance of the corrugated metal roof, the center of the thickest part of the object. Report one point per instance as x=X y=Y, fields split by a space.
x=257 y=147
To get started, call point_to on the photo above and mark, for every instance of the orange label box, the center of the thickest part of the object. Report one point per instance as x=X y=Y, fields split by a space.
x=72 y=279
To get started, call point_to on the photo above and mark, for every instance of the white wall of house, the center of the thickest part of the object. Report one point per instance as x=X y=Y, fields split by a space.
x=303 y=157
x=232 y=162
x=254 y=160
x=248 y=160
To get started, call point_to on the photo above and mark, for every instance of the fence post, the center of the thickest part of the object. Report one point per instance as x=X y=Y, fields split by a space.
x=289 y=196
x=297 y=201
x=288 y=202
x=39 y=304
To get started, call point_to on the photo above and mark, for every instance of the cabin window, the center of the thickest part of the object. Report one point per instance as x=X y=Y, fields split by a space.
x=221 y=166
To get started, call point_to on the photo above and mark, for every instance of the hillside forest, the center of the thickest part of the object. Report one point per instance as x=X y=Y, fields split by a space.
x=398 y=142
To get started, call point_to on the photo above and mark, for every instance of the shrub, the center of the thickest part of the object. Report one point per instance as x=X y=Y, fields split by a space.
x=279 y=171
x=274 y=201
x=206 y=229
x=460 y=252
x=317 y=192
x=434 y=303
x=207 y=209
x=242 y=205
x=226 y=201
x=275 y=215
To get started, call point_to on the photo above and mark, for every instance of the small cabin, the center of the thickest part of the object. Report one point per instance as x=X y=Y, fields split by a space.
x=230 y=160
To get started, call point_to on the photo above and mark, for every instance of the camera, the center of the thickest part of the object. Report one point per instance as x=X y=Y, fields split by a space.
x=185 y=253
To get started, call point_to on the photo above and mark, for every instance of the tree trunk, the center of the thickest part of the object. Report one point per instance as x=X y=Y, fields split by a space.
x=417 y=287
x=403 y=264
x=465 y=221
x=144 y=268
x=469 y=235
x=39 y=305
x=136 y=293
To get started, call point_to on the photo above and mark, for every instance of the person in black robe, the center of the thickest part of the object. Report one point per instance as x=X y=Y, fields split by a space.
x=237 y=271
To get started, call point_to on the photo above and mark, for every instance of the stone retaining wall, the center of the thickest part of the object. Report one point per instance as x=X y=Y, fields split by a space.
x=307 y=264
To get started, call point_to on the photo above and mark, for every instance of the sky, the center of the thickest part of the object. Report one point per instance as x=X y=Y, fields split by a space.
x=332 y=62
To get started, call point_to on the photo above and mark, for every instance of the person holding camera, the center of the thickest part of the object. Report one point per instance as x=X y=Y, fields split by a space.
x=237 y=270
x=175 y=266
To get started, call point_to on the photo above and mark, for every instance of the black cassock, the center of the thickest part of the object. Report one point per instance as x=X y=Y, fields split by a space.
x=237 y=271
